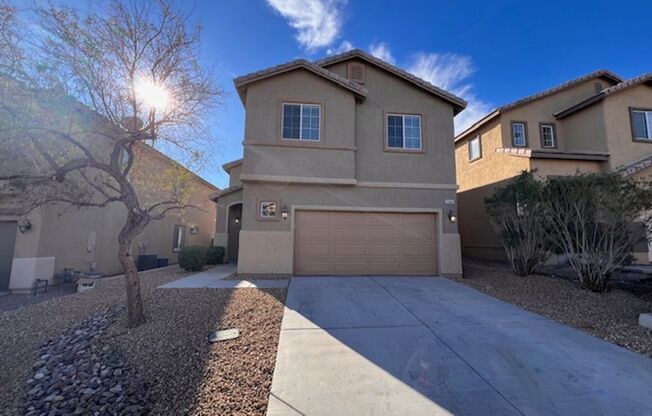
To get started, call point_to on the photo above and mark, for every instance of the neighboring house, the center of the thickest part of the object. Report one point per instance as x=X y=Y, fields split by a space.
x=55 y=237
x=348 y=169
x=594 y=123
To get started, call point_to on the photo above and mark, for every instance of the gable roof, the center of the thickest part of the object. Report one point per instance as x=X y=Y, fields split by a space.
x=622 y=86
x=601 y=73
x=458 y=103
x=243 y=81
x=230 y=165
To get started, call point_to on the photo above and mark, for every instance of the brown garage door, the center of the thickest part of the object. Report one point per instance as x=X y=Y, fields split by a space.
x=359 y=243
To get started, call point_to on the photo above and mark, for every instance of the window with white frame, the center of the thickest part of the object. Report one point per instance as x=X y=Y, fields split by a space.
x=179 y=239
x=301 y=121
x=475 y=148
x=518 y=134
x=548 y=138
x=641 y=124
x=404 y=131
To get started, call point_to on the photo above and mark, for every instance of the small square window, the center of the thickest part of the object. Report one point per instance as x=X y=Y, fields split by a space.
x=301 y=121
x=475 y=148
x=519 y=138
x=404 y=131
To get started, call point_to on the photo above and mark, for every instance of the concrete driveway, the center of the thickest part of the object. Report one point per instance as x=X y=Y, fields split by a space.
x=430 y=346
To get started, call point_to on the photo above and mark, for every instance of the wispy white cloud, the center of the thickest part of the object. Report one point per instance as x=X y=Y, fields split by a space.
x=451 y=72
x=317 y=22
x=344 y=46
x=382 y=51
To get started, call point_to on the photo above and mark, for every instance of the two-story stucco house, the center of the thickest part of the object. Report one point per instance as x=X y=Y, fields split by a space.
x=348 y=169
x=597 y=122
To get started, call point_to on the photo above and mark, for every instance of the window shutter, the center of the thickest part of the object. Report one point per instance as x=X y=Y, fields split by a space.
x=356 y=72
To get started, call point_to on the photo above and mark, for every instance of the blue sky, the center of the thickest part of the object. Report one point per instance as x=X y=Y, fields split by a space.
x=489 y=52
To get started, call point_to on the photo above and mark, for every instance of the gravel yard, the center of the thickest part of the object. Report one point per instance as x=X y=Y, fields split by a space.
x=612 y=316
x=184 y=373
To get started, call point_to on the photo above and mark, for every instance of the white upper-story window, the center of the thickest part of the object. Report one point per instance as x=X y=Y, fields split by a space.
x=475 y=148
x=404 y=131
x=548 y=139
x=519 y=138
x=301 y=121
x=641 y=124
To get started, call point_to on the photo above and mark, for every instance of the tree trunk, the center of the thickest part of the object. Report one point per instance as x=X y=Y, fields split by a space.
x=136 y=315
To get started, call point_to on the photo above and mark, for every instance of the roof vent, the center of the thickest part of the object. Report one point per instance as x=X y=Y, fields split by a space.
x=356 y=72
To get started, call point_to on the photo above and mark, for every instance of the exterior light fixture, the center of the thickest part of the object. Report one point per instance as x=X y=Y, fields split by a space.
x=452 y=217
x=284 y=213
x=24 y=225
x=237 y=220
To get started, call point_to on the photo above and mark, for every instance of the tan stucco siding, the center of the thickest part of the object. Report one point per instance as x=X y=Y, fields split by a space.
x=556 y=167
x=234 y=175
x=390 y=94
x=585 y=130
x=492 y=166
x=542 y=110
x=622 y=148
x=286 y=157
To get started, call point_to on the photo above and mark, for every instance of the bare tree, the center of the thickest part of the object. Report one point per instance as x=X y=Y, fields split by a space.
x=591 y=218
x=83 y=98
x=516 y=214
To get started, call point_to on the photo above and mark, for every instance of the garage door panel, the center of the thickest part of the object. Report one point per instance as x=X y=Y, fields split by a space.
x=359 y=243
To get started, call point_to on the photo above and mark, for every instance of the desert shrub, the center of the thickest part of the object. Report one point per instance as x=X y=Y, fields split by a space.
x=215 y=255
x=193 y=258
x=516 y=214
x=591 y=219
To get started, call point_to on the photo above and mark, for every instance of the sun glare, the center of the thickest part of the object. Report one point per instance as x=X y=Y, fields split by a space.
x=151 y=94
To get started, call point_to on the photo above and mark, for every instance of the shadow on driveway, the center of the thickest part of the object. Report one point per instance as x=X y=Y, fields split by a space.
x=430 y=346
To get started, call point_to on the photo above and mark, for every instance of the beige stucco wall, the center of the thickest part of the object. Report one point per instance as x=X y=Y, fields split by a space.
x=265 y=152
x=390 y=94
x=622 y=148
x=62 y=233
x=542 y=110
x=585 y=130
x=234 y=175
x=256 y=232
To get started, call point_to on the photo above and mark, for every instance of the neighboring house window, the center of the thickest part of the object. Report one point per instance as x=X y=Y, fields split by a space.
x=301 y=121
x=641 y=124
x=179 y=239
x=548 y=138
x=404 y=131
x=475 y=148
x=518 y=134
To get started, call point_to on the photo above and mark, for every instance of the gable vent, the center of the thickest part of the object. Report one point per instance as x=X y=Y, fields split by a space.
x=356 y=72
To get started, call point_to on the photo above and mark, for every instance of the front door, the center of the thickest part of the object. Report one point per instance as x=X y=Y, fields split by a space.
x=7 y=243
x=235 y=222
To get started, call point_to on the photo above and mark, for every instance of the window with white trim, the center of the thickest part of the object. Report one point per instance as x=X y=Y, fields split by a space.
x=179 y=239
x=475 y=148
x=301 y=121
x=518 y=134
x=404 y=131
x=548 y=139
x=642 y=124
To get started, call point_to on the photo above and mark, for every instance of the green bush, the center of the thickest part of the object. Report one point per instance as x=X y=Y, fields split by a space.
x=193 y=258
x=215 y=255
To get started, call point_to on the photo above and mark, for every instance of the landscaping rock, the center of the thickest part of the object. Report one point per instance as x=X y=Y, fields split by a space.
x=62 y=384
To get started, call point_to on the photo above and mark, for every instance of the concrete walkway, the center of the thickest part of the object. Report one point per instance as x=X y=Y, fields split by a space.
x=430 y=346
x=213 y=279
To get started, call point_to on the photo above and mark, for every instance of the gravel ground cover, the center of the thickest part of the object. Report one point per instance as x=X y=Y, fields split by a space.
x=184 y=374
x=612 y=316
x=10 y=302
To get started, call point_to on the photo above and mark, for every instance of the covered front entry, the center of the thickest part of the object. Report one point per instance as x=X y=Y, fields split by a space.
x=7 y=243
x=365 y=243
